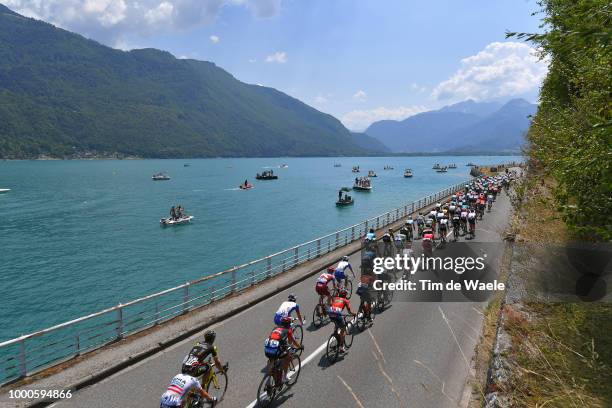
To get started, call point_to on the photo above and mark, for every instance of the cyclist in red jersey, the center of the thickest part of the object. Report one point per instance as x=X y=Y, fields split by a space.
x=338 y=305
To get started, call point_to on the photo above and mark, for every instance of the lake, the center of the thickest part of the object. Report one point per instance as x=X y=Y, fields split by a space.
x=80 y=236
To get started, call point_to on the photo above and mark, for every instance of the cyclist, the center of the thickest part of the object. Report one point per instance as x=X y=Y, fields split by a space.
x=335 y=314
x=439 y=217
x=322 y=287
x=456 y=225
x=463 y=216
x=420 y=224
x=428 y=241
x=277 y=345
x=489 y=201
x=340 y=272
x=201 y=353
x=472 y=222
x=285 y=310
x=443 y=227
x=407 y=229
x=371 y=235
x=363 y=291
x=181 y=386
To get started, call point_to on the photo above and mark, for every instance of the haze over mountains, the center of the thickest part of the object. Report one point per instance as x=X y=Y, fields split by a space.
x=62 y=95
x=463 y=127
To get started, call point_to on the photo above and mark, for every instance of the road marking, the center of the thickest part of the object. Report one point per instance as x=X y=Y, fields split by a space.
x=306 y=361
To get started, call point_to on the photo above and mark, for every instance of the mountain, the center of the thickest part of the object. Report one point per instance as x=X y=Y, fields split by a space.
x=462 y=127
x=503 y=130
x=63 y=95
x=422 y=132
x=369 y=143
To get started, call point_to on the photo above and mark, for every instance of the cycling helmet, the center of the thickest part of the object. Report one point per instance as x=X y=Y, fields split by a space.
x=291 y=298
x=343 y=293
x=285 y=322
x=209 y=336
x=331 y=269
x=345 y=258
x=189 y=369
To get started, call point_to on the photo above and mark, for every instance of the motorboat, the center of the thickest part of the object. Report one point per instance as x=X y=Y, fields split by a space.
x=441 y=170
x=160 y=177
x=169 y=221
x=452 y=166
x=408 y=173
x=372 y=173
x=186 y=165
x=283 y=166
x=4 y=190
x=344 y=201
x=388 y=168
x=355 y=169
x=470 y=164
x=436 y=166
x=245 y=186
x=266 y=175
x=362 y=184
x=337 y=165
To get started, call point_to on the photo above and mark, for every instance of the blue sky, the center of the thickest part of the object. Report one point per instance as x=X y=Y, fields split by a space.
x=360 y=60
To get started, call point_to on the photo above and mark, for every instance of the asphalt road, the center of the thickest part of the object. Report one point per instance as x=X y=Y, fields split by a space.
x=415 y=355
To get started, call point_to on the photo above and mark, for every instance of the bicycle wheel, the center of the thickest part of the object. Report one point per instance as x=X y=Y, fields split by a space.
x=217 y=386
x=360 y=322
x=317 y=316
x=349 y=288
x=298 y=335
x=349 y=334
x=266 y=391
x=293 y=372
x=388 y=297
x=333 y=348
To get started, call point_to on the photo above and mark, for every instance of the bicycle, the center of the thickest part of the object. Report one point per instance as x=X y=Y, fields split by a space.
x=348 y=285
x=456 y=228
x=319 y=314
x=272 y=383
x=472 y=232
x=298 y=333
x=214 y=377
x=384 y=298
x=365 y=317
x=332 y=351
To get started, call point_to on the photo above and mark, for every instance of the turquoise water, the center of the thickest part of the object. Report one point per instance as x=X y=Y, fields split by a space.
x=79 y=236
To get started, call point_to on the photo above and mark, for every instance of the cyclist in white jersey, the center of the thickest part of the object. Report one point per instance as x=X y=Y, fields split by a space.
x=285 y=310
x=340 y=274
x=180 y=387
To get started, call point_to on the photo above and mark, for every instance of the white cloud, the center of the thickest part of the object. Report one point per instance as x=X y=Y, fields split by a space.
x=111 y=21
x=320 y=100
x=252 y=60
x=360 y=96
x=414 y=87
x=215 y=39
x=279 y=57
x=501 y=69
x=361 y=119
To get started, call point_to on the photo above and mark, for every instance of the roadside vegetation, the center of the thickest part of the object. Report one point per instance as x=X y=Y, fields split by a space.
x=560 y=354
x=570 y=138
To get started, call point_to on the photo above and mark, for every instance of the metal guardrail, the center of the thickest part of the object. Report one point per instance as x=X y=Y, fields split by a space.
x=33 y=352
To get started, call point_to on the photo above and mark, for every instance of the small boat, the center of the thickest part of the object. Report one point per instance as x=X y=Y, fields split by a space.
x=452 y=166
x=470 y=164
x=160 y=177
x=337 y=165
x=346 y=189
x=362 y=184
x=436 y=166
x=441 y=170
x=372 y=173
x=408 y=173
x=283 y=166
x=4 y=190
x=167 y=222
x=355 y=169
x=246 y=186
x=186 y=165
x=388 y=168
x=266 y=175
x=346 y=200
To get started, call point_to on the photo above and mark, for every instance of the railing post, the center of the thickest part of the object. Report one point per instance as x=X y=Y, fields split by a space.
x=328 y=247
x=295 y=256
x=119 y=321
x=352 y=234
x=308 y=255
x=337 y=240
x=377 y=222
x=156 y=314
x=185 y=297
x=283 y=266
x=268 y=267
x=233 y=287
x=77 y=344
x=318 y=248
x=253 y=276
x=23 y=371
